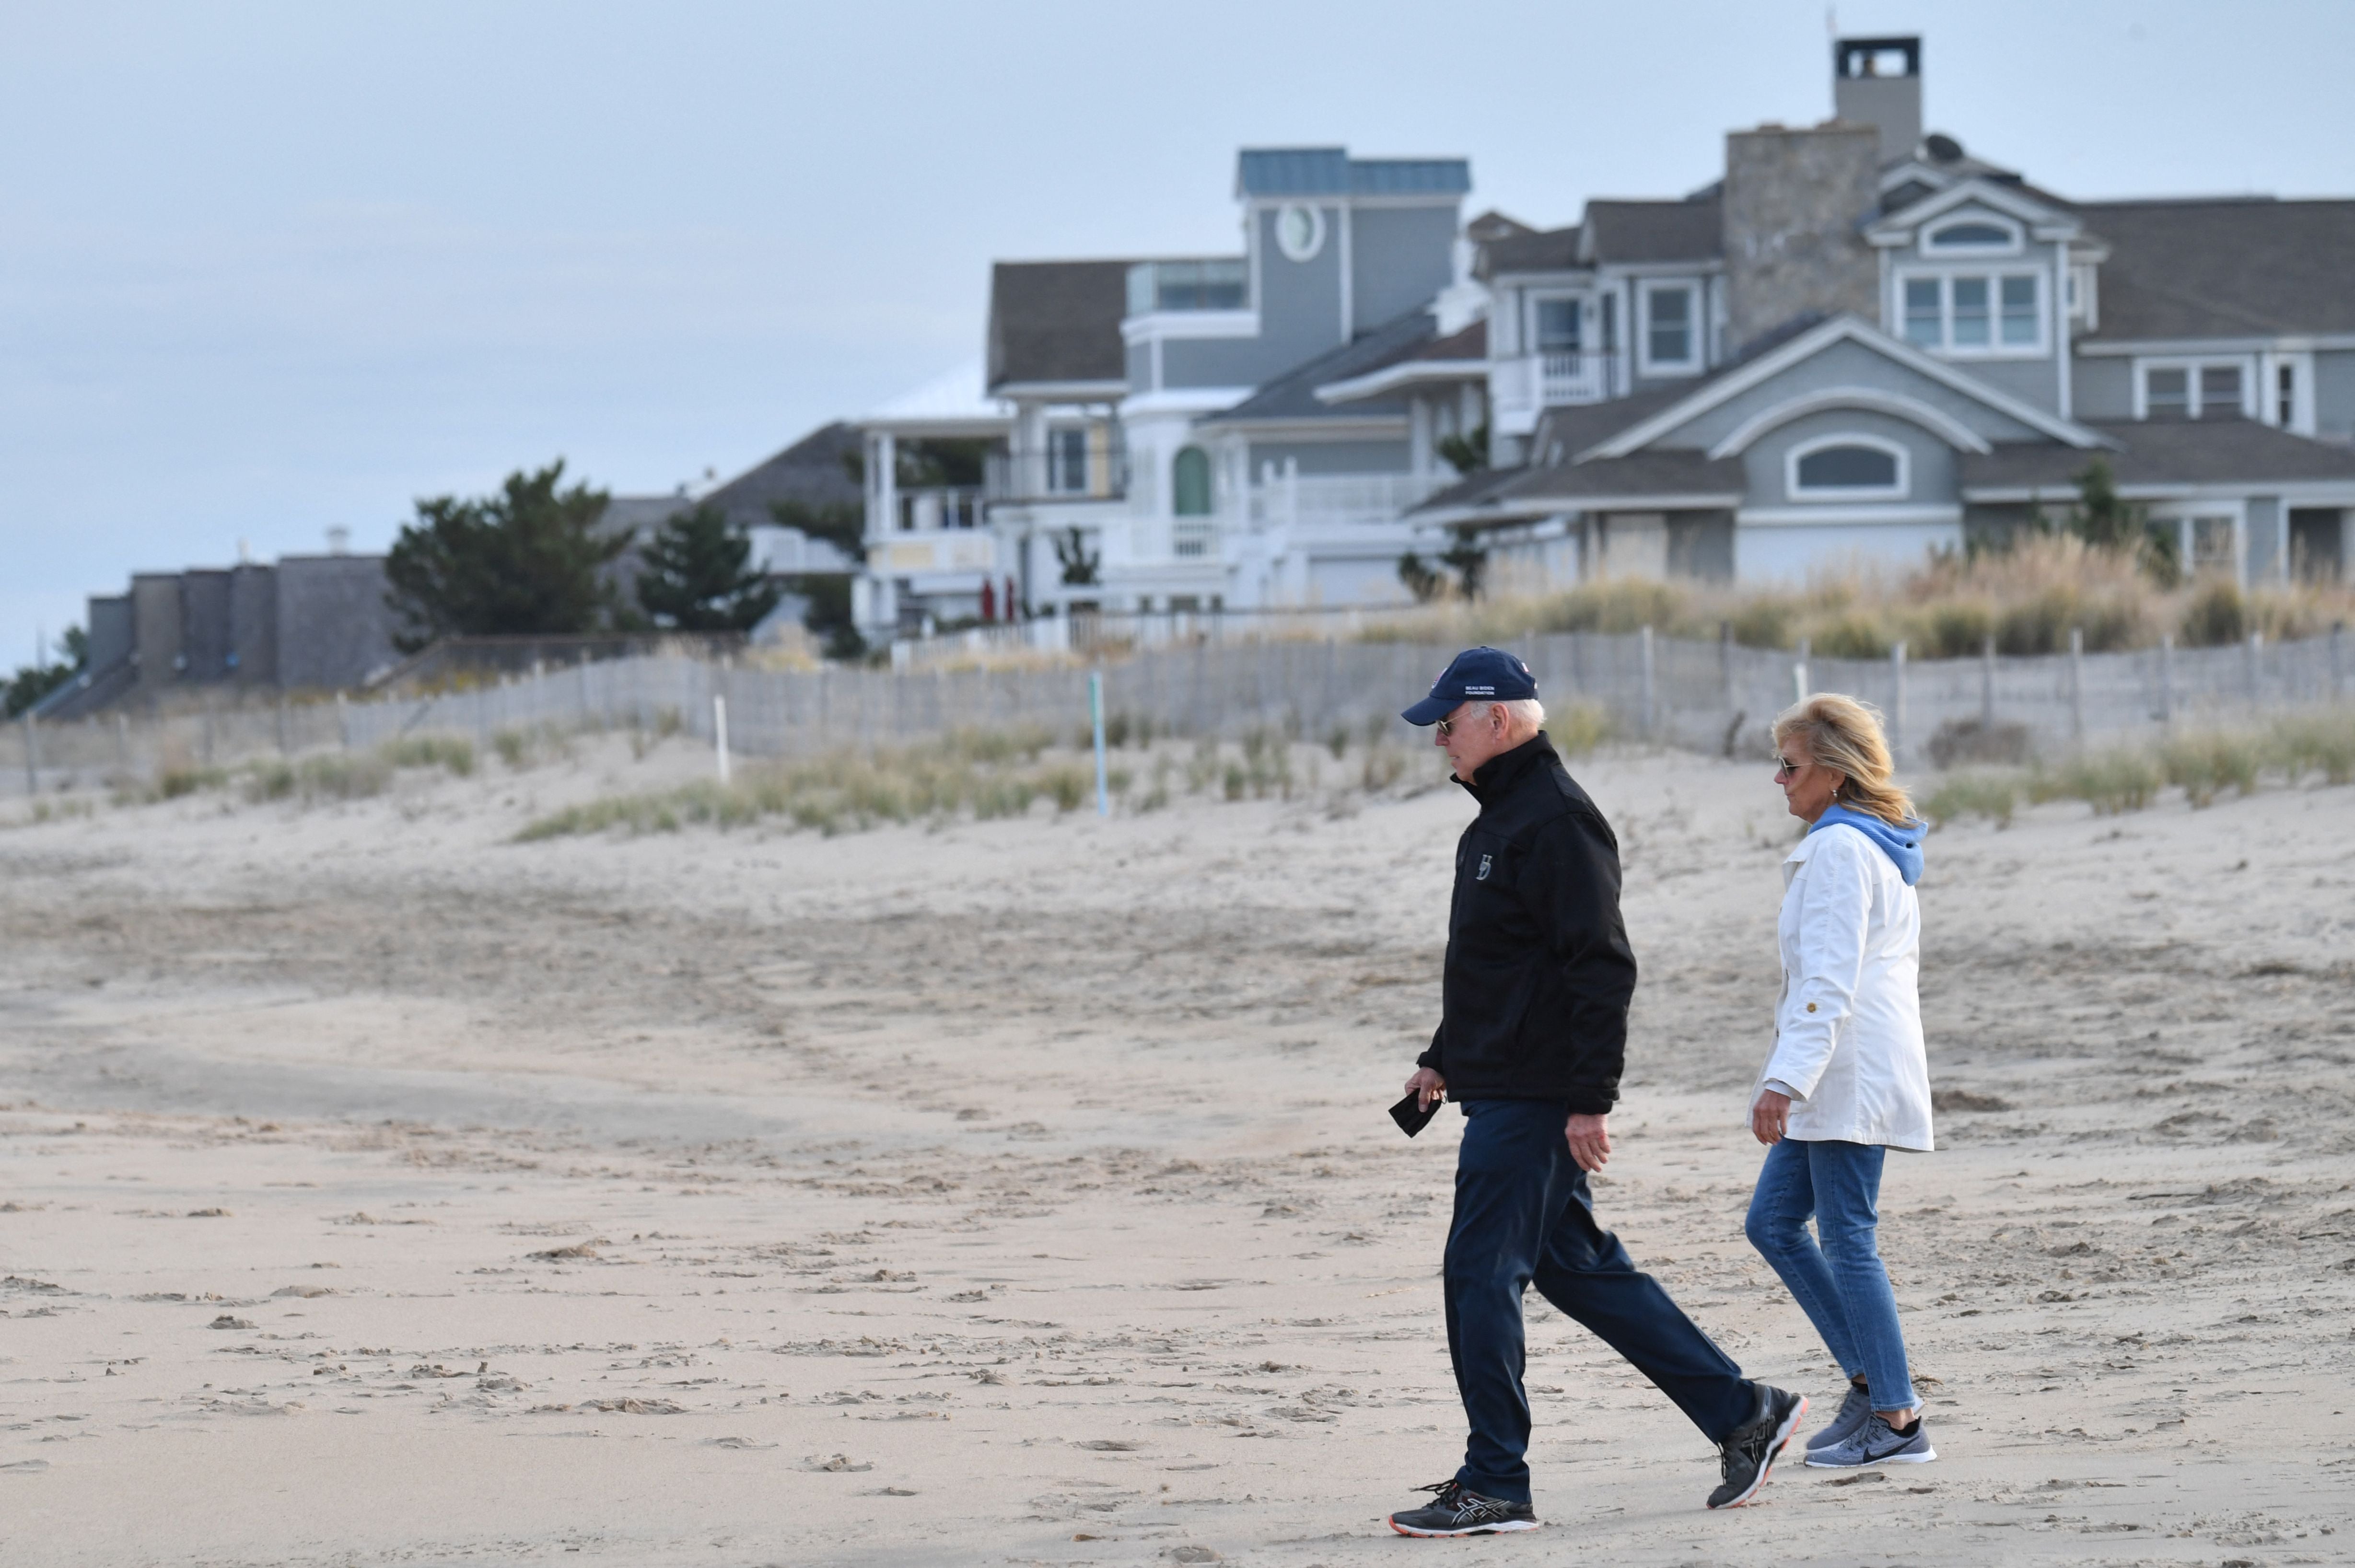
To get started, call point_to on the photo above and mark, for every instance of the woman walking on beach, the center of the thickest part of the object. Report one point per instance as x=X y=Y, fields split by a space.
x=1849 y=1079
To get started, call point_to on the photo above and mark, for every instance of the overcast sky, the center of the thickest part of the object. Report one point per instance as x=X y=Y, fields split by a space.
x=271 y=268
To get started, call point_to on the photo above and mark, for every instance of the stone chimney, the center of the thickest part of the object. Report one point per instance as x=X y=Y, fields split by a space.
x=1878 y=82
x=1793 y=206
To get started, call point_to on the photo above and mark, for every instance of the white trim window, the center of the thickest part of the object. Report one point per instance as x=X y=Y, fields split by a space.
x=1973 y=234
x=1557 y=323
x=1848 y=467
x=1988 y=316
x=2191 y=389
x=1671 y=339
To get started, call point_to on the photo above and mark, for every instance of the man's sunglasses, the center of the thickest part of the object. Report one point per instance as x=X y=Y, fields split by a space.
x=1446 y=727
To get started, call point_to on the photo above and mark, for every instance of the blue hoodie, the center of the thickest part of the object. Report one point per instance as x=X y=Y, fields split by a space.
x=1902 y=845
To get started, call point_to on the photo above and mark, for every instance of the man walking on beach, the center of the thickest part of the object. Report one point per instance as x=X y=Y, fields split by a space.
x=1532 y=1034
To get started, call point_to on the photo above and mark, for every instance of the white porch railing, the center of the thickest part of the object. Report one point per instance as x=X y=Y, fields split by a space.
x=1291 y=498
x=1550 y=379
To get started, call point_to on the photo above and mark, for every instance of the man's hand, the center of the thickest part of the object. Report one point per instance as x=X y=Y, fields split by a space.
x=1427 y=1087
x=1769 y=1118
x=1590 y=1141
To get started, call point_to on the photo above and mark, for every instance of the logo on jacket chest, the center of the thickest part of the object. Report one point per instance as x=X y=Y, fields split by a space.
x=1482 y=875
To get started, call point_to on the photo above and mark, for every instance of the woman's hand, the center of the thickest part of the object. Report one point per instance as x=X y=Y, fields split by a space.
x=1769 y=1118
x=1427 y=1087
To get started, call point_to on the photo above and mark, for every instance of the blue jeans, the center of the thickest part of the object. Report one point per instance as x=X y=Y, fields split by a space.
x=1840 y=1284
x=1523 y=1215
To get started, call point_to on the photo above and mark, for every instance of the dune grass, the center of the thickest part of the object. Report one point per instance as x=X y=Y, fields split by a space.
x=2203 y=766
x=2029 y=598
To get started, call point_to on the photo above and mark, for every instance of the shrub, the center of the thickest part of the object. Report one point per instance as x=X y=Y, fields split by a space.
x=174 y=782
x=1764 y=623
x=2110 y=782
x=2215 y=616
x=1851 y=637
x=1969 y=741
x=1578 y=728
x=1992 y=796
x=451 y=751
x=2203 y=764
x=2322 y=743
x=1953 y=629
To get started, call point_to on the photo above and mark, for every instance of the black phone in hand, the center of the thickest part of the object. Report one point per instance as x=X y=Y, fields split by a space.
x=1413 y=1117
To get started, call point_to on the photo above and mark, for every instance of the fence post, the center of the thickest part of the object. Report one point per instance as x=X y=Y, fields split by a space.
x=2337 y=665
x=1651 y=698
x=121 y=740
x=2077 y=684
x=1096 y=717
x=1725 y=661
x=1897 y=699
x=32 y=759
x=719 y=733
x=2167 y=681
x=1987 y=686
x=1800 y=674
x=282 y=723
x=343 y=722
x=2255 y=653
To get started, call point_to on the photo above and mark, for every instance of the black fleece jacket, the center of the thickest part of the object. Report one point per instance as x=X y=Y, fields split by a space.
x=1534 y=1002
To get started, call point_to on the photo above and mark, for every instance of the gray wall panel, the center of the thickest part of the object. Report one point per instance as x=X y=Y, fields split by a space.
x=1847 y=364
x=333 y=627
x=2102 y=389
x=1399 y=258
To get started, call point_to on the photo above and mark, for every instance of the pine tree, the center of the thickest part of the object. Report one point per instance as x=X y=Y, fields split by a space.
x=528 y=560
x=697 y=575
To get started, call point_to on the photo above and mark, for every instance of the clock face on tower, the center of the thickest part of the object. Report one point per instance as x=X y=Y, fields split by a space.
x=1299 y=231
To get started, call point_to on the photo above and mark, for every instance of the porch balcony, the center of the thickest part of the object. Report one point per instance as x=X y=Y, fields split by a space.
x=1096 y=469
x=932 y=510
x=1288 y=497
x=1531 y=383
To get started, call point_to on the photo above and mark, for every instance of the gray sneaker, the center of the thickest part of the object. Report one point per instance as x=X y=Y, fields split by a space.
x=1876 y=1443
x=1854 y=1412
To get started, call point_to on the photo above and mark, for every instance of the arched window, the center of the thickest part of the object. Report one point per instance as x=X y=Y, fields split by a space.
x=1973 y=234
x=1190 y=483
x=1847 y=468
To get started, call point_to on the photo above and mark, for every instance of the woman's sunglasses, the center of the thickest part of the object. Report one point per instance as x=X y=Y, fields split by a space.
x=1785 y=767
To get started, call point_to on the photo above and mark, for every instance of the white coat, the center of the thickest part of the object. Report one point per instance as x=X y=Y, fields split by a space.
x=1847 y=1027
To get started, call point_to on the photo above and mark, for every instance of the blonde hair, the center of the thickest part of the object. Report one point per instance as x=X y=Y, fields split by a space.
x=1845 y=735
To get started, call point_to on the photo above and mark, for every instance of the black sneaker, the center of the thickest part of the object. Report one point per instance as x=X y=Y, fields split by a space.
x=1749 y=1454
x=1457 y=1511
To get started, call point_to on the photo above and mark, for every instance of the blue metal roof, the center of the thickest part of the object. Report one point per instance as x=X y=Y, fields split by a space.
x=1330 y=171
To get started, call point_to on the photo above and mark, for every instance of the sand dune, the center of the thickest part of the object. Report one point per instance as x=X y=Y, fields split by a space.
x=374 y=1188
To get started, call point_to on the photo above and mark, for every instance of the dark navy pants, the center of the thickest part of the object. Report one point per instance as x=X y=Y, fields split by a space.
x=1523 y=1214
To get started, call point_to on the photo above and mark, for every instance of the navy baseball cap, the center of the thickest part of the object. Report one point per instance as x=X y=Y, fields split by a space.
x=1489 y=674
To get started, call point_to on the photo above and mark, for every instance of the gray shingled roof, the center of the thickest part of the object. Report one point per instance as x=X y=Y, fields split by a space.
x=1057 y=321
x=1654 y=473
x=2224 y=268
x=1293 y=395
x=2197 y=451
x=1654 y=231
x=810 y=471
x=1531 y=250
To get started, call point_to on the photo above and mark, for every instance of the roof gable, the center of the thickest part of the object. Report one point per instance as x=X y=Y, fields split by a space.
x=1804 y=367
x=2047 y=222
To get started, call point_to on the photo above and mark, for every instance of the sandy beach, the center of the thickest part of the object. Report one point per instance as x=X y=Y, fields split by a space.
x=376 y=1188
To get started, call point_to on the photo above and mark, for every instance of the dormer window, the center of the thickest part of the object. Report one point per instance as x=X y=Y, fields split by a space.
x=1847 y=468
x=1973 y=236
x=1996 y=315
x=1671 y=337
